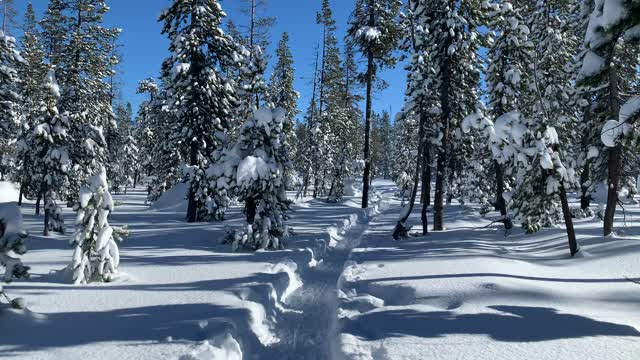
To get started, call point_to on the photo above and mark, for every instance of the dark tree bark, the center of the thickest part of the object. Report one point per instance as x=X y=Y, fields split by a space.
x=615 y=154
x=192 y=208
x=566 y=211
x=585 y=194
x=426 y=186
x=501 y=204
x=441 y=174
x=367 y=127
x=367 y=134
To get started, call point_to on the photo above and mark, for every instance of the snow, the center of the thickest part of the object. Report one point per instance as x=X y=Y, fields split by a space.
x=8 y=192
x=174 y=200
x=591 y=65
x=630 y=109
x=369 y=33
x=611 y=132
x=251 y=168
x=471 y=292
x=342 y=290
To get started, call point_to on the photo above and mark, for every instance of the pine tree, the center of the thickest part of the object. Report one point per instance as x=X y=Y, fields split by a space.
x=96 y=256
x=32 y=72
x=508 y=64
x=452 y=45
x=611 y=25
x=12 y=248
x=51 y=146
x=201 y=97
x=260 y=181
x=10 y=99
x=375 y=30
x=283 y=95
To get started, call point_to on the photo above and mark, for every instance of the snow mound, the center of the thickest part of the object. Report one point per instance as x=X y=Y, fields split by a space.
x=174 y=200
x=8 y=192
x=223 y=347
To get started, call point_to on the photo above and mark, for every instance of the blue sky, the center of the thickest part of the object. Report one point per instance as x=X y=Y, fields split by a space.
x=144 y=48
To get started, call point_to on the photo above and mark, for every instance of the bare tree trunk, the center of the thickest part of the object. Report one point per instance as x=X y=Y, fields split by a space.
x=566 y=211
x=615 y=154
x=585 y=195
x=426 y=186
x=501 y=204
x=438 y=207
x=192 y=209
x=367 y=134
x=21 y=194
x=367 y=127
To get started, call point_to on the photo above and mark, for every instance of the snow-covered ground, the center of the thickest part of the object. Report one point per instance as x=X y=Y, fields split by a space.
x=342 y=289
x=474 y=293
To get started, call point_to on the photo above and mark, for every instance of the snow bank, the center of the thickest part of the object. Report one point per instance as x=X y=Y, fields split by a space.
x=8 y=192
x=174 y=200
x=223 y=347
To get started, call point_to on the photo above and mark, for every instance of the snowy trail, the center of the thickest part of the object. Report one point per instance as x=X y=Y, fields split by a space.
x=308 y=329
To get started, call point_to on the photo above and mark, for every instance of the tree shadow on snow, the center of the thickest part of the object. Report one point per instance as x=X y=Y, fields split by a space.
x=513 y=324
x=134 y=325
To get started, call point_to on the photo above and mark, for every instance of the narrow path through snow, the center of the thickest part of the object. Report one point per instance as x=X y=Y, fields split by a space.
x=308 y=329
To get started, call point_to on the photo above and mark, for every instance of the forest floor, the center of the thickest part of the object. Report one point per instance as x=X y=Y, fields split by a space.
x=343 y=289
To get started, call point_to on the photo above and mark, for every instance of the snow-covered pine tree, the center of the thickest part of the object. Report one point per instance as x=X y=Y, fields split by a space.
x=417 y=108
x=252 y=89
x=611 y=26
x=55 y=32
x=96 y=256
x=158 y=141
x=82 y=50
x=201 y=97
x=10 y=100
x=376 y=32
x=51 y=146
x=123 y=150
x=32 y=72
x=283 y=95
x=452 y=44
x=507 y=76
x=260 y=181
x=12 y=248
x=281 y=88
x=543 y=177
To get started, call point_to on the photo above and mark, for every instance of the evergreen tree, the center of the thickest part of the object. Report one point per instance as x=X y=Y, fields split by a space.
x=260 y=181
x=375 y=30
x=10 y=100
x=96 y=256
x=12 y=248
x=283 y=95
x=200 y=96
x=51 y=145
x=32 y=72
x=612 y=24
x=452 y=45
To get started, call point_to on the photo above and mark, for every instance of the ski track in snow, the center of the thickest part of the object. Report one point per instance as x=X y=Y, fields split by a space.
x=308 y=329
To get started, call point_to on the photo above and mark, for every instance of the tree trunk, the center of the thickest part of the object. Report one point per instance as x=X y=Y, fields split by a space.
x=426 y=186
x=20 y=195
x=585 y=194
x=251 y=210
x=615 y=154
x=192 y=208
x=566 y=211
x=367 y=133
x=438 y=207
x=501 y=204
x=400 y=229
x=38 y=201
